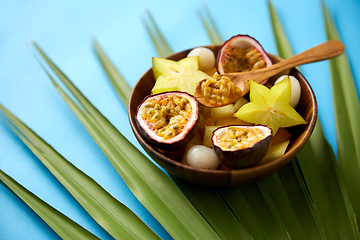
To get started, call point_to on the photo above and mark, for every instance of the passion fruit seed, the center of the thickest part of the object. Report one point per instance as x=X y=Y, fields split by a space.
x=167 y=115
x=238 y=59
x=218 y=89
x=240 y=138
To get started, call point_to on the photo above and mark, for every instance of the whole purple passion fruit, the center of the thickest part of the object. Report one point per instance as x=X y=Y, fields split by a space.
x=241 y=53
x=241 y=146
x=168 y=121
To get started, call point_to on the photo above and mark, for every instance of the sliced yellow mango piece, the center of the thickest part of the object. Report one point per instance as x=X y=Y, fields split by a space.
x=275 y=152
x=209 y=130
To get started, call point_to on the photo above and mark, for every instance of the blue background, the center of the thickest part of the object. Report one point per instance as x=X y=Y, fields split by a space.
x=65 y=31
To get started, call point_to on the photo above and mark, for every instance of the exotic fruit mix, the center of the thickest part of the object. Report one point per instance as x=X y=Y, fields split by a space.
x=236 y=135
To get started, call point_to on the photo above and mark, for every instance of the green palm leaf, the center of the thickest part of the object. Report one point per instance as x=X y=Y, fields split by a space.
x=121 y=87
x=161 y=45
x=210 y=204
x=325 y=184
x=347 y=109
x=295 y=187
x=117 y=219
x=152 y=187
x=249 y=204
x=283 y=45
x=210 y=26
x=61 y=224
x=319 y=167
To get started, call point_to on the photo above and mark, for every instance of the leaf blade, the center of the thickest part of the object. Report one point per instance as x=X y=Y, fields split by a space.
x=252 y=208
x=347 y=109
x=161 y=45
x=210 y=26
x=214 y=210
x=314 y=175
x=61 y=224
x=121 y=86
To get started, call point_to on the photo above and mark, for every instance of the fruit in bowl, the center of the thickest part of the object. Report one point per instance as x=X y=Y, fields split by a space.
x=283 y=146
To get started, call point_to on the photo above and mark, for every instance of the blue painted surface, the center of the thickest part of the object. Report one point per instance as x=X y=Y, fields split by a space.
x=65 y=30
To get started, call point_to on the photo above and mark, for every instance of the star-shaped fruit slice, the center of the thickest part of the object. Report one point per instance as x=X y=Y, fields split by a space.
x=180 y=75
x=270 y=106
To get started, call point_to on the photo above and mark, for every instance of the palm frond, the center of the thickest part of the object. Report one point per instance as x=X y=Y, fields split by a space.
x=211 y=205
x=61 y=224
x=320 y=170
x=347 y=109
x=210 y=26
x=161 y=45
x=250 y=206
x=120 y=85
x=283 y=45
x=295 y=187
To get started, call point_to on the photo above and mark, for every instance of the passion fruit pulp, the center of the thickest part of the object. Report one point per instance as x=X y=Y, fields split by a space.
x=168 y=121
x=241 y=53
x=241 y=146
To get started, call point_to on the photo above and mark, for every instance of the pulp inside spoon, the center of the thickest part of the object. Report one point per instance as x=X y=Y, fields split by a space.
x=219 y=90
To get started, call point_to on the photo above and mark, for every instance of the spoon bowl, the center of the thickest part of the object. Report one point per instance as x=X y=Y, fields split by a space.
x=327 y=50
x=171 y=161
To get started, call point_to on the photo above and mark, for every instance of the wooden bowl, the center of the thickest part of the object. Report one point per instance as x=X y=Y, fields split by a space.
x=307 y=108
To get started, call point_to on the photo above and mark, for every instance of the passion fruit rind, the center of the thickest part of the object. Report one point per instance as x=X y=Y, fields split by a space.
x=249 y=149
x=253 y=57
x=169 y=120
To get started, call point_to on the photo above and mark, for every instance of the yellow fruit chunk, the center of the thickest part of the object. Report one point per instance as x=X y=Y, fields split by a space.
x=240 y=102
x=209 y=130
x=281 y=135
x=180 y=75
x=206 y=122
x=275 y=152
x=270 y=106
x=221 y=112
x=226 y=121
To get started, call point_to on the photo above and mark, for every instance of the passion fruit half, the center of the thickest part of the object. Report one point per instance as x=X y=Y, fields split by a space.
x=241 y=53
x=241 y=146
x=168 y=121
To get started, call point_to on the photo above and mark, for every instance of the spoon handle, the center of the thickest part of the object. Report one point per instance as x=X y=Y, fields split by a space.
x=321 y=52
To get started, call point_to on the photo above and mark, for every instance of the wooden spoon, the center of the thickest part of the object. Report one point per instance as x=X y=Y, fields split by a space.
x=327 y=50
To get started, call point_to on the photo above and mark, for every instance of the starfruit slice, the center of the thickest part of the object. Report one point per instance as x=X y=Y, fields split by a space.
x=270 y=106
x=180 y=75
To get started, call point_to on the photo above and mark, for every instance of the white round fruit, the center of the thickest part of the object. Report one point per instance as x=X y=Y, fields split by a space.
x=295 y=89
x=203 y=157
x=207 y=58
